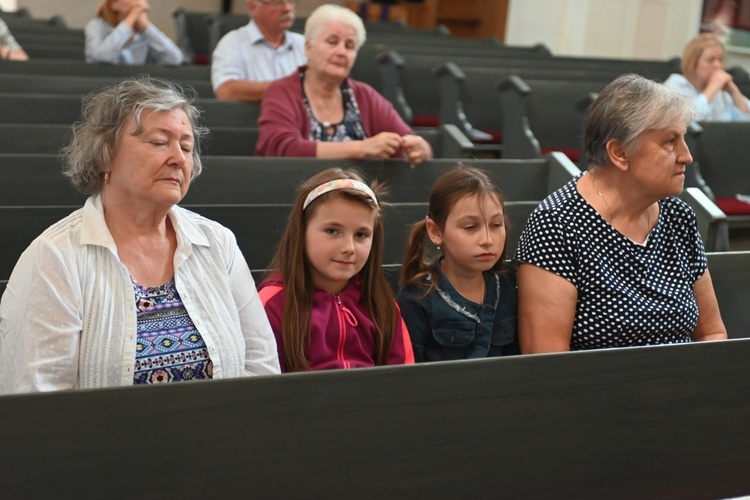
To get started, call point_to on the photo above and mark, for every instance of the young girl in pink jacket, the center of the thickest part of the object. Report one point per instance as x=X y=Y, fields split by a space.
x=328 y=302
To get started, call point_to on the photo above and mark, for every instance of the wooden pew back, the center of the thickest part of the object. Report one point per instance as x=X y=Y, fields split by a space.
x=558 y=425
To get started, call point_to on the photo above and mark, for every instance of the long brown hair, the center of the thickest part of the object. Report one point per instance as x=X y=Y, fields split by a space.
x=292 y=264
x=448 y=190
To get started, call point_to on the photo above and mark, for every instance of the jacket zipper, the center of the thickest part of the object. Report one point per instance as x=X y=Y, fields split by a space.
x=344 y=316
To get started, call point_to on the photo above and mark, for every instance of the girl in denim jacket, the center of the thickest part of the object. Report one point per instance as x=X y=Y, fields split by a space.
x=462 y=303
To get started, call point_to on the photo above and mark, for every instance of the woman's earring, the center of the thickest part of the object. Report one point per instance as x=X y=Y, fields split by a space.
x=438 y=247
x=106 y=177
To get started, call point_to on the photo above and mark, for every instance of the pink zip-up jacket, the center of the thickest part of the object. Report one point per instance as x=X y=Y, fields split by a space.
x=342 y=334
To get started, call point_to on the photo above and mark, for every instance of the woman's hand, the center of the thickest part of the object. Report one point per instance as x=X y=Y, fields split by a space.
x=718 y=81
x=142 y=21
x=13 y=55
x=416 y=149
x=382 y=145
x=135 y=13
x=737 y=97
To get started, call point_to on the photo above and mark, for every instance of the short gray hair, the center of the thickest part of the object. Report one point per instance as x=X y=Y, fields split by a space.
x=330 y=12
x=104 y=112
x=626 y=108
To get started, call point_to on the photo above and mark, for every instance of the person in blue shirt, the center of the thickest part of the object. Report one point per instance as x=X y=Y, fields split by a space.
x=462 y=304
x=121 y=33
x=715 y=95
x=9 y=48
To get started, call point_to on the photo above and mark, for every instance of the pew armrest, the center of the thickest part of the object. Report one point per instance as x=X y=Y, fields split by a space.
x=712 y=222
x=454 y=143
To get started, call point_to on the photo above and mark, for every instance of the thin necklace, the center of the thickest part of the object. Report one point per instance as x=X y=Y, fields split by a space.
x=609 y=210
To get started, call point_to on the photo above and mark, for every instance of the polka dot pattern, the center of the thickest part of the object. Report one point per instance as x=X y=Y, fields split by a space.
x=628 y=294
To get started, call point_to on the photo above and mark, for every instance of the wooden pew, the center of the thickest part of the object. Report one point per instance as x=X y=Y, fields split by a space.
x=49 y=51
x=720 y=154
x=728 y=273
x=33 y=139
x=470 y=100
x=258 y=227
x=407 y=77
x=712 y=222
x=59 y=37
x=541 y=116
x=24 y=21
x=663 y=421
x=50 y=139
x=81 y=68
x=57 y=109
x=731 y=292
x=242 y=180
x=76 y=85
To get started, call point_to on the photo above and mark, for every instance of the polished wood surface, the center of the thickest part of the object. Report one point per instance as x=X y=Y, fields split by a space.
x=657 y=422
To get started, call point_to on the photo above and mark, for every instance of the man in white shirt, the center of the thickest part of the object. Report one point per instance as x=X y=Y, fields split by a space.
x=248 y=59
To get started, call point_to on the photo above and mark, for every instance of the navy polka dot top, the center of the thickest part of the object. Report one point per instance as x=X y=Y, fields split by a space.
x=628 y=294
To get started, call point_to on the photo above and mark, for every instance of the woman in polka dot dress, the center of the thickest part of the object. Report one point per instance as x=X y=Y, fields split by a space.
x=613 y=259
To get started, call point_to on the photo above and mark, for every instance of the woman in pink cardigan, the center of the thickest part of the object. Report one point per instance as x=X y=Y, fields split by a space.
x=319 y=111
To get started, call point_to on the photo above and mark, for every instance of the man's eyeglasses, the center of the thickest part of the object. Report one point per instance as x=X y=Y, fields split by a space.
x=278 y=3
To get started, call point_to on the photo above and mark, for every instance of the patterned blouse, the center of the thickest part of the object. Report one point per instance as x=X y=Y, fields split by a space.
x=169 y=347
x=628 y=294
x=350 y=129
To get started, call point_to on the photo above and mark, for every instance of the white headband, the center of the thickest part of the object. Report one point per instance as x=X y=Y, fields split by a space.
x=339 y=184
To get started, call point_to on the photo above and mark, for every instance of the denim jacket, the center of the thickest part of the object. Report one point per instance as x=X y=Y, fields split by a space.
x=445 y=326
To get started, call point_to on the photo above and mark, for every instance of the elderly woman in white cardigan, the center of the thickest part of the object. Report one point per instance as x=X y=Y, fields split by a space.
x=132 y=289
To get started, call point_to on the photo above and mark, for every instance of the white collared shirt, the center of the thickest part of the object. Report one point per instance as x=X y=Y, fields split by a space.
x=245 y=54
x=68 y=317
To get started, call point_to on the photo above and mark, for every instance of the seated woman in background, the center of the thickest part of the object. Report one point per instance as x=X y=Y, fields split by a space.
x=461 y=305
x=613 y=258
x=319 y=111
x=132 y=289
x=715 y=95
x=9 y=48
x=122 y=34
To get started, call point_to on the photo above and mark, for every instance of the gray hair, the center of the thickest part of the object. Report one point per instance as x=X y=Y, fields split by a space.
x=330 y=12
x=626 y=108
x=103 y=115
